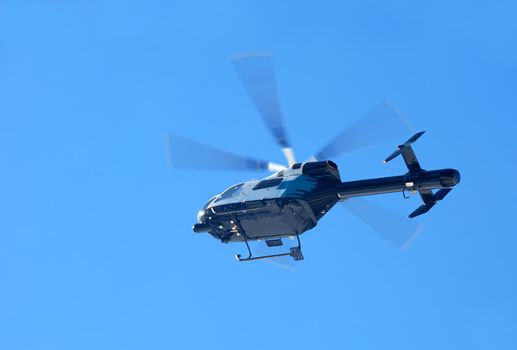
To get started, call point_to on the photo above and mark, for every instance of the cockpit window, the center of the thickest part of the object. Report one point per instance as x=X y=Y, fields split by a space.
x=230 y=192
x=268 y=183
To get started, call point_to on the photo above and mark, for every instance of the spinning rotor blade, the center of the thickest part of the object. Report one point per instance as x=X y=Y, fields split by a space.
x=380 y=124
x=397 y=229
x=187 y=154
x=257 y=74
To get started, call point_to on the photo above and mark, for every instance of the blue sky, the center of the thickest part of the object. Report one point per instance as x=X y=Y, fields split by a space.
x=96 y=248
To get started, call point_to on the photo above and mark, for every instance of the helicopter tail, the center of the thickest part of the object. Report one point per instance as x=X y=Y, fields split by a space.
x=428 y=197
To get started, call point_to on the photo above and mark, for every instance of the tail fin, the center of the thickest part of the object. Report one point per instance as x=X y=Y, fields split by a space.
x=407 y=153
x=428 y=197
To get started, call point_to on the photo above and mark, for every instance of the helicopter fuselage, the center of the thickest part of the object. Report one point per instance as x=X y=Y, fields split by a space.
x=284 y=204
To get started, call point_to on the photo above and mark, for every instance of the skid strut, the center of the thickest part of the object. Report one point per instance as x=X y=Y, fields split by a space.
x=294 y=252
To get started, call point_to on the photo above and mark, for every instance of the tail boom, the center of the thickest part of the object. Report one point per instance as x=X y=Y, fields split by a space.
x=423 y=182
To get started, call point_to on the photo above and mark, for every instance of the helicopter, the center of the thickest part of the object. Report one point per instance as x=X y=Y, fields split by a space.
x=295 y=197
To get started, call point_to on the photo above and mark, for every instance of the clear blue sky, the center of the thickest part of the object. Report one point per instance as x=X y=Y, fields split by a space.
x=96 y=247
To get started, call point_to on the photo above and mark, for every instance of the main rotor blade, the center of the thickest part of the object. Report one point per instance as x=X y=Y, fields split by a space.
x=378 y=125
x=188 y=154
x=257 y=74
x=397 y=229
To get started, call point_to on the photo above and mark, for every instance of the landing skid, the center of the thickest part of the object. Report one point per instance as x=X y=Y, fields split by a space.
x=294 y=252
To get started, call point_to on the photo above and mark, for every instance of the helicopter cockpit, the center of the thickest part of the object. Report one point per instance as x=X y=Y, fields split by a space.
x=228 y=193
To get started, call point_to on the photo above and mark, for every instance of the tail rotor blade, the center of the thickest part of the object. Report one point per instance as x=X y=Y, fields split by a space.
x=397 y=229
x=188 y=154
x=257 y=74
x=380 y=124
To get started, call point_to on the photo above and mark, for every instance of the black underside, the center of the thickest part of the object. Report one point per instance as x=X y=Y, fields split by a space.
x=280 y=217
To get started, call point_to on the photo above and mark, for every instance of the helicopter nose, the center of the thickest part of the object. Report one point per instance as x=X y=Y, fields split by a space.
x=200 y=216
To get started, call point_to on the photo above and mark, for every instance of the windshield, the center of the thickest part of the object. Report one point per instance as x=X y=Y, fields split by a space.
x=231 y=192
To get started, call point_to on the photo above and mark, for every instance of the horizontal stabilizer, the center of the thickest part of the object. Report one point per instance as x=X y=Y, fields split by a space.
x=430 y=200
x=424 y=208
x=438 y=196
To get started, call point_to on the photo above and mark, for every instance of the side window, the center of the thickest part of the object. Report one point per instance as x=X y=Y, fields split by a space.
x=268 y=183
